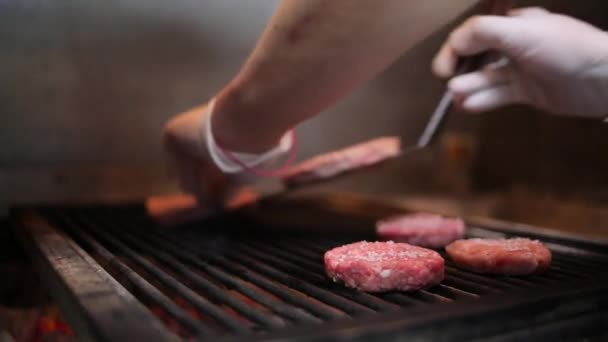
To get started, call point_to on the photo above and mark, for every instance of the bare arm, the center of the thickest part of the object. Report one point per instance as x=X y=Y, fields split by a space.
x=314 y=52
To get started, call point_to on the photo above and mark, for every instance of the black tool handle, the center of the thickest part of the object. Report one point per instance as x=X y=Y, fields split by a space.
x=465 y=65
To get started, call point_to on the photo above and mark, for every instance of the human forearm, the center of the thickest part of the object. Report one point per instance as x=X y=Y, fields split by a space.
x=311 y=54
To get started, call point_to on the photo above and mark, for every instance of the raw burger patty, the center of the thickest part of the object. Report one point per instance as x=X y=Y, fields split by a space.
x=426 y=230
x=384 y=266
x=331 y=164
x=500 y=256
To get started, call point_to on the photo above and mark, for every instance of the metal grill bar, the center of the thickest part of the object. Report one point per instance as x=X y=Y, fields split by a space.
x=318 y=280
x=151 y=292
x=285 y=293
x=285 y=278
x=479 y=280
x=564 y=268
x=321 y=247
x=175 y=285
x=561 y=330
x=79 y=284
x=254 y=294
x=245 y=286
x=319 y=293
x=307 y=257
x=581 y=265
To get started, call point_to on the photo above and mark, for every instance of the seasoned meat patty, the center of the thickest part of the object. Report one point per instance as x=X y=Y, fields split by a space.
x=517 y=256
x=333 y=163
x=426 y=230
x=384 y=266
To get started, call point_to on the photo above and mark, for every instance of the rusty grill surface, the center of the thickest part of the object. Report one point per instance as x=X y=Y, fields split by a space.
x=229 y=279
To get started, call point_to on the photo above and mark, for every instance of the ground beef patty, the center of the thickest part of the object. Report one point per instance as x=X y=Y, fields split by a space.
x=384 y=266
x=334 y=163
x=426 y=230
x=500 y=256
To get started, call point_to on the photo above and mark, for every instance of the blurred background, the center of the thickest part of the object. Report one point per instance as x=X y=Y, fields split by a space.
x=86 y=86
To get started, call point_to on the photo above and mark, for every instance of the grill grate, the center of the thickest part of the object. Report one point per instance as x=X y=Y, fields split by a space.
x=210 y=281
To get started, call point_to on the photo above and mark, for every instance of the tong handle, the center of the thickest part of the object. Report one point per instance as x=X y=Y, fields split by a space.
x=486 y=7
x=465 y=65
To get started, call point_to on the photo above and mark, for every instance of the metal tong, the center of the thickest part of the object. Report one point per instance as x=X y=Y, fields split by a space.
x=465 y=65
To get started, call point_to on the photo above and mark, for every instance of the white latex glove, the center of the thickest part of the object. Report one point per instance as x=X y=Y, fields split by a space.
x=556 y=63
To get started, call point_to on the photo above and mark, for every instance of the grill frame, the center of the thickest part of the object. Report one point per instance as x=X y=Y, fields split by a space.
x=56 y=257
x=453 y=317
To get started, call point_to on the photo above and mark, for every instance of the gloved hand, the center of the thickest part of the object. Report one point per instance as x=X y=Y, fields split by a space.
x=554 y=62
